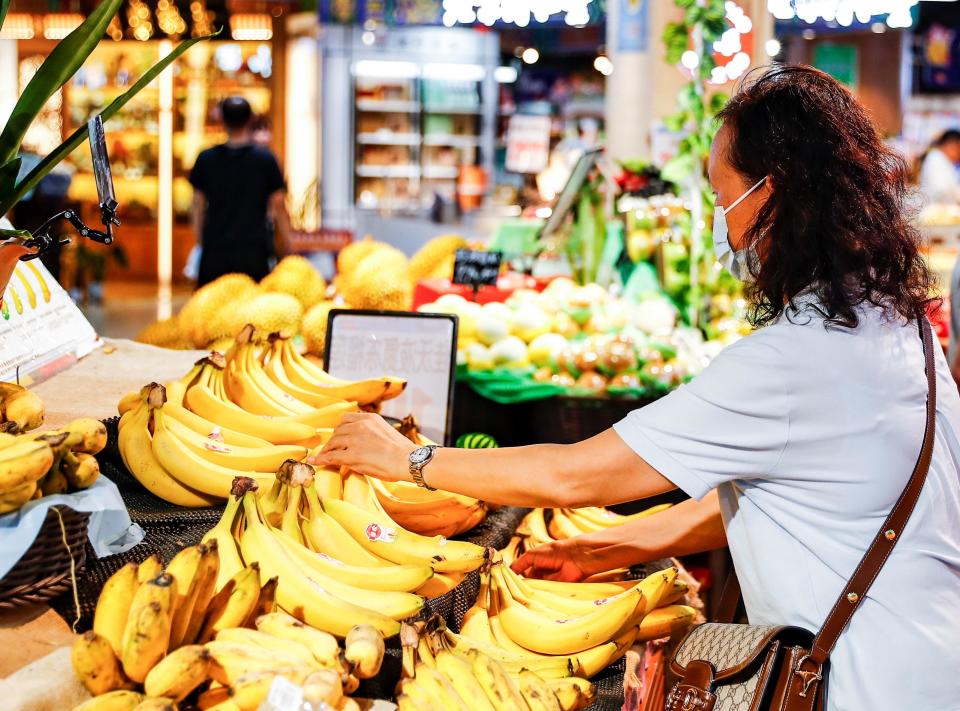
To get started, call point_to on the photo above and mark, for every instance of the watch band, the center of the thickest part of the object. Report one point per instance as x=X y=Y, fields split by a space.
x=416 y=469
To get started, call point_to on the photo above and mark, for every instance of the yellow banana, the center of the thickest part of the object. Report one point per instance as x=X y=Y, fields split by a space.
x=232 y=605
x=593 y=661
x=222 y=533
x=266 y=603
x=207 y=575
x=562 y=527
x=157 y=704
x=241 y=635
x=251 y=690
x=323 y=687
x=96 y=665
x=665 y=622
x=581 y=590
x=183 y=567
x=15 y=498
x=128 y=402
x=297 y=592
x=290 y=519
x=305 y=374
x=381 y=536
x=147 y=633
x=536 y=693
x=266 y=459
x=364 y=649
x=279 y=430
x=150 y=568
x=461 y=677
x=548 y=667
x=534 y=528
x=80 y=469
x=420 y=696
x=230 y=661
x=192 y=470
x=322 y=645
x=440 y=687
x=499 y=687
x=136 y=449
x=573 y=693
x=213 y=697
x=210 y=430
x=275 y=371
x=20 y=409
x=241 y=377
x=112 y=701
x=113 y=606
x=85 y=435
x=323 y=534
x=439 y=584
x=24 y=462
x=179 y=673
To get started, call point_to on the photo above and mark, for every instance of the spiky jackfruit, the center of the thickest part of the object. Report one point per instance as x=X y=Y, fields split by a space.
x=201 y=317
x=271 y=313
x=313 y=327
x=295 y=275
x=351 y=255
x=165 y=334
x=381 y=281
x=432 y=259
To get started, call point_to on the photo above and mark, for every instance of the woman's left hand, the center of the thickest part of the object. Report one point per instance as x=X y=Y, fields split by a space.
x=367 y=444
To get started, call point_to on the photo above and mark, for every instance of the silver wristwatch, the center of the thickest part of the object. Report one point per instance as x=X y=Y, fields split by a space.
x=419 y=458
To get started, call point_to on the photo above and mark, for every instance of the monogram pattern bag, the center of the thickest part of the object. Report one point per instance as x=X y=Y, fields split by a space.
x=730 y=667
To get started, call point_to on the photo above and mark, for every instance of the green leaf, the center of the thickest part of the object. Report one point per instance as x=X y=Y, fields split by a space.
x=79 y=136
x=678 y=169
x=685 y=4
x=61 y=64
x=8 y=175
x=717 y=102
x=4 y=6
x=675 y=122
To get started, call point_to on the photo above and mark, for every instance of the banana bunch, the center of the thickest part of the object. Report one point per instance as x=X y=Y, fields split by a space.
x=45 y=463
x=20 y=409
x=442 y=670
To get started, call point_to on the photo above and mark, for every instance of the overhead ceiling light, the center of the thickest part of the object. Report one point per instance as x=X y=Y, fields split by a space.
x=773 y=47
x=530 y=55
x=603 y=65
x=844 y=11
x=368 y=37
x=18 y=26
x=58 y=25
x=251 y=27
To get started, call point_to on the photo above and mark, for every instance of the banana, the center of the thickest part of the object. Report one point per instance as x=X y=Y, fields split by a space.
x=128 y=402
x=213 y=697
x=275 y=371
x=113 y=606
x=147 y=633
x=250 y=691
x=439 y=584
x=149 y=568
x=15 y=498
x=320 y=566
x=534 y=528
x=536 y=693
x=322 y=645
x=509 y=553
x=222 y=533
x=421 y=697
x=348 y=704
x=548 y=635
x=290 y=519
x=327 y=483
x=561 y=527
x=461 y=677
x=440 y=687
x=96 y=666
x=85 y=435
x=266 y=603
x=499 y=688
x=157 y=704
x=210 y=430
x=24 y=462
x=241 y=635
x=183 y=567
x=20 y=409
x=207 y=575
x=113 y=701
x=381 y=536
x=81 y=470
x=443 y=515
x=324 y=687
x=265 y=459
x=476 y=625
x=546 y=666
x=297 y=592
x=305 y=374
x=665 y=622
x=279 y=430
x=595 y=660
x=573 y=693
x=605 y=518
x=249 y=387
x=580 y=591
x=192 y=470
x=230 y=661
x=364 y=649
x=179 y=673
x=323 y=534
x=136 y=449
x=232 y=605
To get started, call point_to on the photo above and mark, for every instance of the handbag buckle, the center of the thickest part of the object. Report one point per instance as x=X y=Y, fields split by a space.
x=808 y=678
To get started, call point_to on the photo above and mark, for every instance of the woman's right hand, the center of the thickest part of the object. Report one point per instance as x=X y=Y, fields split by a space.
x=569 y=560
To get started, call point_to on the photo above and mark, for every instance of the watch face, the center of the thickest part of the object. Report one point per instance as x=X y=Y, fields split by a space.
x=419 y=456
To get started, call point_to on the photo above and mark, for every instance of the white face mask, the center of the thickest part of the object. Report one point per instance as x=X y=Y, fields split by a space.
x=741 y=263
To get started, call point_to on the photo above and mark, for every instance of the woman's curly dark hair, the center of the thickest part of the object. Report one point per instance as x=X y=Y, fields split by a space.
x=835 y=221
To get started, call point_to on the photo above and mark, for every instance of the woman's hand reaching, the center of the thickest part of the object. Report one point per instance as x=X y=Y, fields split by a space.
x=570 y=560
x=367 y=444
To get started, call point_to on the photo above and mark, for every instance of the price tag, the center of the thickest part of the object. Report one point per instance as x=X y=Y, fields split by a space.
x=475 y=268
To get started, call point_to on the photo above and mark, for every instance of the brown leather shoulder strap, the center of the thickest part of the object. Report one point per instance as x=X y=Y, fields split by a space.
x=888 y=535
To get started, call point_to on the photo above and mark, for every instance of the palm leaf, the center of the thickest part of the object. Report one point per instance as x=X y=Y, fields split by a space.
x=4 y=6
x=79 y=136
x=62 y=63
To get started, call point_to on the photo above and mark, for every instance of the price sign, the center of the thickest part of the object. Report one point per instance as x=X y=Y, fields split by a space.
x=475 y=268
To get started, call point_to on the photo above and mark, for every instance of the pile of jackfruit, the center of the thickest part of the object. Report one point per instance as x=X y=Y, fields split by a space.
x=294 y=298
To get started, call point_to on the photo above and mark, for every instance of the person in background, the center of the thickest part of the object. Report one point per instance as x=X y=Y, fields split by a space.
x=238 y=188
x=939 y=177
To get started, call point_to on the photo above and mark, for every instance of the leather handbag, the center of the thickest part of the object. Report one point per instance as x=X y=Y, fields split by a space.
x=733 y=667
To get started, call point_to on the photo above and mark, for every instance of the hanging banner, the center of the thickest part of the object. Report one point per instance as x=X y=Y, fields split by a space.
x=632 y=25
x=415 y=12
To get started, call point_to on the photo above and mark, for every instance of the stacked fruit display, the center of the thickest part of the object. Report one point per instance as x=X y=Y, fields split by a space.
x=555 y=630
x=580 y=338
x=294 y=298
x=160 y=637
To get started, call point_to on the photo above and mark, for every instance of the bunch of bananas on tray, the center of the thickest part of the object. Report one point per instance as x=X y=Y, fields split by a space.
x=339 y=562
x=441 y=671
x=38 y=464
x=162 y=636
x=245 y=413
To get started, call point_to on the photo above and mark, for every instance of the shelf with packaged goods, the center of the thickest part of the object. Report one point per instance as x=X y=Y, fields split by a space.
x=440 y=172
x=443 y=139
x=390 y=106
x=388 y=171
x=467 y=110
x=388 y=138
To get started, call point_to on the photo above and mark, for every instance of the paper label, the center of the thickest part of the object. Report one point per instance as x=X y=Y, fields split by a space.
x=216 y=447
x=284 y=695
x=385 y=535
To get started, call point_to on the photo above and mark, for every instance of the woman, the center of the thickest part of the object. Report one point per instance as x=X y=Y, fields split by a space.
x=807 y=430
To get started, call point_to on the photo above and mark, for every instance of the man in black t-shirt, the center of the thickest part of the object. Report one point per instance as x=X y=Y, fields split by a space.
x=237 y=187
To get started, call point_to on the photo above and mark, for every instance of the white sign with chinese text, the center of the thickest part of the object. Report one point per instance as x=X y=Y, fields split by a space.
x=418 y=347
x=528 y=143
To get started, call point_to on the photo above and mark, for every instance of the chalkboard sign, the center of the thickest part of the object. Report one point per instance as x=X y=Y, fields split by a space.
x=475 y=268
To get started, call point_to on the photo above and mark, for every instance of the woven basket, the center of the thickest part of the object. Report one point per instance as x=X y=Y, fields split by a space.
x=44 y=570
